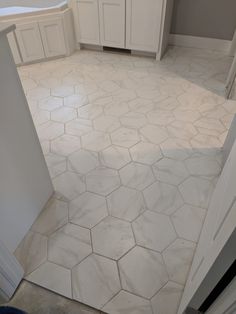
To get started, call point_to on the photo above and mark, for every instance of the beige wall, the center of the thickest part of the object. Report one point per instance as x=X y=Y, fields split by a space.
x=205 y=18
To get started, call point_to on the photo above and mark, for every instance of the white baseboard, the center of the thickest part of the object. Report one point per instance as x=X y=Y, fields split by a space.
x=201 y=43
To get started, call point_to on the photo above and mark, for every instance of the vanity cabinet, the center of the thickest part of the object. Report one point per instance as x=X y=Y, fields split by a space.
x=138 y=25
x=29 y=41
x=41 y=36
x=112 y=23
x=88 y=22
x=143 y=24
x=53 y=38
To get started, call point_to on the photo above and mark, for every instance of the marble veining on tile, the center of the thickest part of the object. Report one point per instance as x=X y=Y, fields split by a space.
x=134 y=149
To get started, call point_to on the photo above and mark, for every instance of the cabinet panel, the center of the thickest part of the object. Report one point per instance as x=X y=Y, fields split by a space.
x=29 y=40
x=112 y=23
x=14 y=48
x=143 y=24
x=52 y=34
x=88 y=21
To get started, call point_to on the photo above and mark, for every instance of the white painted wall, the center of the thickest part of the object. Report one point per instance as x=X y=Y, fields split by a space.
x=25 y=184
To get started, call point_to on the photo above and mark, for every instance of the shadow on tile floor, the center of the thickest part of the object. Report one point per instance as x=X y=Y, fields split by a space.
x=36 y=300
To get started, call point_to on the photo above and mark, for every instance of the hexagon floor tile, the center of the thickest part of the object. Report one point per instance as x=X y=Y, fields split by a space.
x=137 y=270
x=149 y=229
x=133 y=148
x=112 y=238
x=69 y=245
x=95 y=281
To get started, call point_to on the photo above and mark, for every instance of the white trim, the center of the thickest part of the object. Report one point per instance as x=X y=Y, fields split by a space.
x=200 y=42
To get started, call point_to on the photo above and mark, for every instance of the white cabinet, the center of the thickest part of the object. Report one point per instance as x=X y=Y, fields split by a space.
x=112 y=23
x=30 y=43
x=14 y=48
x=88 y=21
x=53 y=38
x=143 y=24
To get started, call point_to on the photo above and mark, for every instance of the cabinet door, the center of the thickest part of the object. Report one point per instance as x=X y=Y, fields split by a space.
x=88 y=21
x=29 y=40
x=143 y=24
x=14 y=48
x=53 y=38
x=112 y=23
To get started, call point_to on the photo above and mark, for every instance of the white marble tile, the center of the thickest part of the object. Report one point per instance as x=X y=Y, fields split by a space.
x=51 y=103
x=141 y=105
x=176 y=148
x=186 y=115
x=69 y=245
x=78 y=127
x=75 y=101
x=86 y=89
x=112 y=238
x=115 y=157
x=206 y=144
x=134 y=120
x=196 y=191
x=65 y=145
x=211 y=124
x=139 y=279
x=160 y=117
x=188 y=221
x=95 y=141
x=62 y=90
x=38 y=93
x=50 y=82
x=149 y=229
x=178 y=258
x=28 y=84
x=115 y=109
x=54 y=216
x=125 y=137
x=167 y=300
x=100 y=286
x=52 y=277
x=83 y=161
x=182 y=130
x=163 y=198
x=32 y=251
x=102 y=181
x=56 y=164
x=69 y=185
x=126 y=302
x=63 y=114
x=125 y=203
x=50 y=130
x=90 y=111
x=203 y=166
x=106 y=123
x=87 y=210
x=136 y=176
x=154 y=134
x=146 y=153
x=170 y=171
x=40 y=117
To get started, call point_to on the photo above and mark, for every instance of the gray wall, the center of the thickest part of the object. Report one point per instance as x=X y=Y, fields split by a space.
x=204 y=18
x=25 y=184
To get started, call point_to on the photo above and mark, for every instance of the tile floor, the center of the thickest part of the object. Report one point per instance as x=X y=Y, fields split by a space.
x=133 y=148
